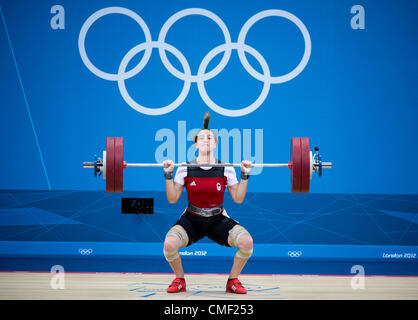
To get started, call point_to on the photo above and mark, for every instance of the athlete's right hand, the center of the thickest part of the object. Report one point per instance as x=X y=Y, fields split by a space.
x=168 y=166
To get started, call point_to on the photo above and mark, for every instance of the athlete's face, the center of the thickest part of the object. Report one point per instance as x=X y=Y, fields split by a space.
x=206 y=141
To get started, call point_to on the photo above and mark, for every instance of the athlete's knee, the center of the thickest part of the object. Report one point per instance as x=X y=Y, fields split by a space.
x=245 y=246
x=241 y=238
x=245 y=242
x=171 y=243
x=176 y=238
x=178 y=235
x=235 y=235
x=171 y=246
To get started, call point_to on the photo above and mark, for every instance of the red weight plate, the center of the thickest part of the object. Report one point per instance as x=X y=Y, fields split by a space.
x=296 y=158
x=305 y=166
x=110 y=165
x=118 y=164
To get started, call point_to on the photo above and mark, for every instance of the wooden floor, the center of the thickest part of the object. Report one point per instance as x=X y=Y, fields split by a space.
x=126 y=286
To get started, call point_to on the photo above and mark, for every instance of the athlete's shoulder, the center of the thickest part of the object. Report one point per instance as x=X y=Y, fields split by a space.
x=181 y=170
x=229 y=169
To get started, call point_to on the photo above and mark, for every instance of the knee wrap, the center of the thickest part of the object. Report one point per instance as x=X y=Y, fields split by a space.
x=236 y=233
x=179 y=233
x=244 y=254
x=170 y=256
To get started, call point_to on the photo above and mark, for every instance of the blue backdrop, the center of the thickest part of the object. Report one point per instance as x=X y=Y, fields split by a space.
x=340 y=74
x=356 y=98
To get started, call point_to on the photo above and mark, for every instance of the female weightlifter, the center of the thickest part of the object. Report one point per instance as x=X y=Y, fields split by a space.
x=205 y=215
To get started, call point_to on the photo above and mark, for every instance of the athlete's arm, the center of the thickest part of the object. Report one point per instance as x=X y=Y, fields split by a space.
x=173 y=189
x=239 y=190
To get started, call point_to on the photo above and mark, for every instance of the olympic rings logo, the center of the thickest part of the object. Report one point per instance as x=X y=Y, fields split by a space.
x=201 y=75
x=294 y=254
x=85 y=252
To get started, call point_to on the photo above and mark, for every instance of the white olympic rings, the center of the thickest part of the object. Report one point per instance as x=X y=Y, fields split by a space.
x=201 y=75
x=294 y=254
x=85 y=251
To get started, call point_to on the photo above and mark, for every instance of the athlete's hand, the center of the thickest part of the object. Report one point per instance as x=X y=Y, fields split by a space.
x=168 y=166
x=246 y=167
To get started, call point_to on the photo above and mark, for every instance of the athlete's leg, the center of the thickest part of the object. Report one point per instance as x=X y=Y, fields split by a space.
x=239 y=237
x=175 y=239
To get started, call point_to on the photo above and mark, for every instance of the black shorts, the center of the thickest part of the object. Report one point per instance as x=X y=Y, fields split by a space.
x=215 y=228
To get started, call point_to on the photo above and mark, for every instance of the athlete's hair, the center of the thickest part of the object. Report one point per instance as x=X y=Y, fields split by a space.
x=206 y=119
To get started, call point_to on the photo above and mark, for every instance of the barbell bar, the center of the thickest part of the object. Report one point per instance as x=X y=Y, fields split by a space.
x=303 y=163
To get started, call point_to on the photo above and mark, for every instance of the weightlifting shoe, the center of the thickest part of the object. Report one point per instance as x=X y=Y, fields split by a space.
x=235 y=286
x=177 y=285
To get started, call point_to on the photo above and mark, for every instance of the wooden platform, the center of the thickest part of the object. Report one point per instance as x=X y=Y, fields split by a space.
x=127 y=286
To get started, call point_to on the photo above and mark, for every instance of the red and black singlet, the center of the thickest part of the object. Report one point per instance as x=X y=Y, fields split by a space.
x=206 y=185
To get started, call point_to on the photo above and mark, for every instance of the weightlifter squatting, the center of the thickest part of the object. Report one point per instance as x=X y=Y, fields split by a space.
x=205 y=215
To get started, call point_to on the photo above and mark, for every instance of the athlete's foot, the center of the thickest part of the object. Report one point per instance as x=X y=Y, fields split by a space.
x=235 y=286
x=178 y=285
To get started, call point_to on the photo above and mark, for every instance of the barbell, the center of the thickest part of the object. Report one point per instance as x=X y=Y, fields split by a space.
x=303 y=163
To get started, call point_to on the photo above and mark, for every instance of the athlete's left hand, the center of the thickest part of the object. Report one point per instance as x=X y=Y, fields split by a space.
x=246 y=166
